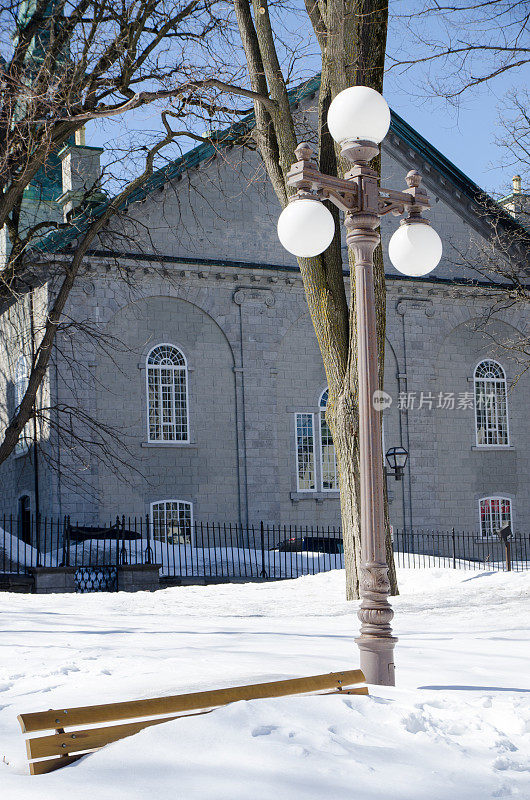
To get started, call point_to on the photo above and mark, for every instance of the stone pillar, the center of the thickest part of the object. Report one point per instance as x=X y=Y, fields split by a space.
x=49 y=580
x=138 y=577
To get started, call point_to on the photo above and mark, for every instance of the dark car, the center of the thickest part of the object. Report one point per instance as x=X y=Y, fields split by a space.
x=311 y=544
x=83 y=533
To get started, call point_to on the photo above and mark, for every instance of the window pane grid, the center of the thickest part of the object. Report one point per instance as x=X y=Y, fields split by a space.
x=494 y=512
x=305 y=452
x=172 y=521
x=491 y=410
x=167 y=395
x=328 y=457
x=21 y=385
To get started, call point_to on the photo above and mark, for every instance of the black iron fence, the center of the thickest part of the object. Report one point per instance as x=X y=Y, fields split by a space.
x=461 y=550
x=231 y=551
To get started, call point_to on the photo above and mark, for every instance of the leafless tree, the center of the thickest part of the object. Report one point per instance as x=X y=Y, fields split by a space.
x=513 y=142
x=352 y=40
x=70 y=62
x=498 y=264
x=461 y=45
x=450 y=51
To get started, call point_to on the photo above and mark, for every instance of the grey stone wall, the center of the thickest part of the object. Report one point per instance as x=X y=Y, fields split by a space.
x=17 y=476
x=205 y=470
x=445 y=337
x=254 y=361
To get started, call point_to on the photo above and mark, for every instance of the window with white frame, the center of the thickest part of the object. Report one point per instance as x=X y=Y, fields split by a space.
x=305 y=453
x=167 y=395
x=491 y=406
x=172 y=521
x=328 y=459
x=494 y=513
x=21 y=385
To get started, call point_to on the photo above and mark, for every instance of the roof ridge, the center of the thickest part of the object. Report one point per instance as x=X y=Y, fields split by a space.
x=195 y=156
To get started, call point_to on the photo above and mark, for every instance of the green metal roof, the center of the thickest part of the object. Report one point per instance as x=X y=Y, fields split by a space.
x=205 y=151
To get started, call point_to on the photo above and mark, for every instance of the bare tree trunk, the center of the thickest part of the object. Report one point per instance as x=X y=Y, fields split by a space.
x=352 y=38
x=345 y=438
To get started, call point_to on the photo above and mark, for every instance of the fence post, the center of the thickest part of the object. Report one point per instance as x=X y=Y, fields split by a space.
x=37 y=539
x=508 y=551
x=66 y=542
x=148 y=550
x=454 y=548
x=123 y=551
x=4 y=542
x=263 y=573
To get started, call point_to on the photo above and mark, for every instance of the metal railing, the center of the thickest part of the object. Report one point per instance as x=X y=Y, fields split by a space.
x=224 y=551
x=460 y=550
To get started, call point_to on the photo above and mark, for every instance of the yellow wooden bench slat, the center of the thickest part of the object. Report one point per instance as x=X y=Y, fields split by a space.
x=65 y=747
x=85 y=746
x=51 y=764
x=91 y=738
x=132 y=709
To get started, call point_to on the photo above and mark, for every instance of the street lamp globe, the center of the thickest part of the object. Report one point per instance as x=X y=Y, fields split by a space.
x=306 y=228
x=415 y=249
x=359 y=113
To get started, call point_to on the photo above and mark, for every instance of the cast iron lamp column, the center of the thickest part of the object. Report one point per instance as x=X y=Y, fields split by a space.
x=358 y=120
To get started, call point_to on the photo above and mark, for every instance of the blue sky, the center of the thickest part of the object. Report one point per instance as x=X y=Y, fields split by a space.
x=465 y=133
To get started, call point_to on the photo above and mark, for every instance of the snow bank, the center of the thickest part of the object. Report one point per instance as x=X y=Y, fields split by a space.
x=13 y=549
x=175 y=559
x=456 y=726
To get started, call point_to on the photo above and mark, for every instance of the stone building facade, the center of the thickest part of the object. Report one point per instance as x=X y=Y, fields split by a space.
x=208 y=343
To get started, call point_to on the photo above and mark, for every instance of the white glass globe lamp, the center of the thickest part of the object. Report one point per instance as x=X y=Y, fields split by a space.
x=359 y=113
x=306 y=227
x=415 y=249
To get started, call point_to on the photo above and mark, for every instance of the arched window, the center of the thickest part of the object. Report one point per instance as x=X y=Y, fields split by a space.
x=167 y=395
x=491 y=408
x=172 y=521
x=494 y=513
x=21 y=384
x=328 y=460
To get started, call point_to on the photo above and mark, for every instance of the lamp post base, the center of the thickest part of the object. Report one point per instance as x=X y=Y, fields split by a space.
x=377 y=659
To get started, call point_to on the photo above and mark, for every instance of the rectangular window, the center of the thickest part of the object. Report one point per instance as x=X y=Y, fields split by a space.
x=494 y=513
x=330 y=481
x=21 y=384
x=490 y=403
x=305 y=453
x=153 y=402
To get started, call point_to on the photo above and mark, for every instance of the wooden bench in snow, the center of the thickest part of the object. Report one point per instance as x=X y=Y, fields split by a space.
x=62 y=747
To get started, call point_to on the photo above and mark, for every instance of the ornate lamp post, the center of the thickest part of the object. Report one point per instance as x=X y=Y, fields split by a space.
x=358 y=120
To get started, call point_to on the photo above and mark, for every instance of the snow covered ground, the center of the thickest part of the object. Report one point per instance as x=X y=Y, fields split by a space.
x=456 y=727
